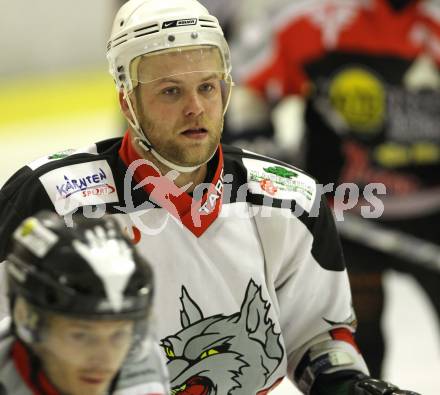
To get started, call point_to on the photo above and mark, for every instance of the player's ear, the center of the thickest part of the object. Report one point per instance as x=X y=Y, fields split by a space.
x=123 y=104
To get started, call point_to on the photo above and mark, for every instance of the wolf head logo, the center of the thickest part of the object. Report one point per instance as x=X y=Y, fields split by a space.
x=223 y=355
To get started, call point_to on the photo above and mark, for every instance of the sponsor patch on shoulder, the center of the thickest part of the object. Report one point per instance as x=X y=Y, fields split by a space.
x=82 y=184
x=280 y=182
x=61 y=155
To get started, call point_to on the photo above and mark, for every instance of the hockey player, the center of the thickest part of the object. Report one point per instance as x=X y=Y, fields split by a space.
x=369 y=73
x=80 y=305
x=250 y=277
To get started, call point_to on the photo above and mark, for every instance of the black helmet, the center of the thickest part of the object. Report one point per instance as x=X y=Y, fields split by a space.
x=88 y=271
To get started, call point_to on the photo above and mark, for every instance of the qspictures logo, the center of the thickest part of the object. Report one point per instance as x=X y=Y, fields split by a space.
x=290 y=191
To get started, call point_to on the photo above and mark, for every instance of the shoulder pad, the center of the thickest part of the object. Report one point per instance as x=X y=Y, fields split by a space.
x=279 y=181
x=92 y=149
x=80 y=184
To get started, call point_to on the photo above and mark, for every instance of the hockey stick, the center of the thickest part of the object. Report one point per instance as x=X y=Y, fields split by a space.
x=410 y=248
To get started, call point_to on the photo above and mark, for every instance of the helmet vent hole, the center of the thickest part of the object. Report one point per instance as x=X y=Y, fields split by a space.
x=119 y=43
x=145 y=30
x=119 y=37
x=121 y=23
x=205 y=22
x=153 y=26
x=171 y=38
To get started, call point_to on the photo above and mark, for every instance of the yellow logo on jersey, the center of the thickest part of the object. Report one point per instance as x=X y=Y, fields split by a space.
x=358 y=96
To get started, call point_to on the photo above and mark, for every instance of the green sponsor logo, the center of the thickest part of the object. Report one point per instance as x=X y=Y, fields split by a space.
x=281 y=172
x=283 y=179
x=61 y=154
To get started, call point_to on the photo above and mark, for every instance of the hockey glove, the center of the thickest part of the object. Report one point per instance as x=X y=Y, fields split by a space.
x=354 y=383
x=368 y=386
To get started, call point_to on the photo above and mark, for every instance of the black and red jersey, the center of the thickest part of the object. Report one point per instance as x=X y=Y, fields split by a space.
x=371 y=78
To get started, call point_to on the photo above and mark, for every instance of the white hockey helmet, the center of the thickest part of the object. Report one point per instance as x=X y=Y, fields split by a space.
x=144 y=26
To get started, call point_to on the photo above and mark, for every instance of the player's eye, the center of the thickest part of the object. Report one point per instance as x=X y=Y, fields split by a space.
x=80 y=337
x=207 y=87
x=121 y=336
x=170 y=91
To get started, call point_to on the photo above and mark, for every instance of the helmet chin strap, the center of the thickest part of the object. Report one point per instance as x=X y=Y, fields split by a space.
x=142 y=141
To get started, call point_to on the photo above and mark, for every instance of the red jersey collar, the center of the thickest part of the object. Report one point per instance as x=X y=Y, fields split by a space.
x=195 y=215
x=23 y=364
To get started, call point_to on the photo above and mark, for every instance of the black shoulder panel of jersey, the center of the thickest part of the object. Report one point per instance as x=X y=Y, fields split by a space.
x=23 y=195
x=20 y=197
x=326 y=247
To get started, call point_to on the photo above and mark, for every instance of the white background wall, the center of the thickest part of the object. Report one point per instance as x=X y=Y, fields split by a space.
x=49 y=35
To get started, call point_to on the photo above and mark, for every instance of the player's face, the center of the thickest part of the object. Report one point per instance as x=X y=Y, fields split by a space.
x=82 y=357
x=181 y=110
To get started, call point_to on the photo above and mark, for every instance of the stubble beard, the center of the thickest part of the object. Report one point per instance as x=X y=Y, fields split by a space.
x=184 y=156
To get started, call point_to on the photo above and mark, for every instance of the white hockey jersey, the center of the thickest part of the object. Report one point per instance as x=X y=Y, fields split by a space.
x=249 y=271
